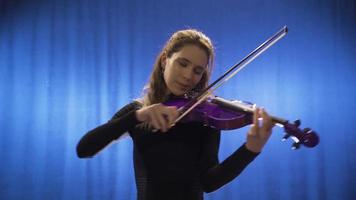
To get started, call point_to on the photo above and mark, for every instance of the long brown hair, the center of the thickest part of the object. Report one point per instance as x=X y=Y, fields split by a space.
x=156 y=89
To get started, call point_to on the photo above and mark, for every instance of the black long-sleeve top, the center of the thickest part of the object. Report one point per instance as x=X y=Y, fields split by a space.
x=179 y=164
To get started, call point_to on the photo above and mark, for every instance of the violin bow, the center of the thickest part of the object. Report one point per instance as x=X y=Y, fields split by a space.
x=233 y=71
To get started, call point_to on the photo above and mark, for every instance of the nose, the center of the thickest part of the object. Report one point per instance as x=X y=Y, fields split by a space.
x=188 y=74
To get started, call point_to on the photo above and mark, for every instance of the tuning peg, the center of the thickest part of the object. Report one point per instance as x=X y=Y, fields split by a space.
x=306 y=130
x=297 y=123
x=285 y=137
x=296 y=145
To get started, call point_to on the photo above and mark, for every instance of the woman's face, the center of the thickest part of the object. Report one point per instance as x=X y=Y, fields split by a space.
x=184 y=69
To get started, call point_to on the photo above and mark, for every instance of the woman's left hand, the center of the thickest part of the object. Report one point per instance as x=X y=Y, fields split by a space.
x=259 y=133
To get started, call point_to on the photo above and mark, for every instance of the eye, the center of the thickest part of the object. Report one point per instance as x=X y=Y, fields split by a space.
x=198 y=71
x=182 y=63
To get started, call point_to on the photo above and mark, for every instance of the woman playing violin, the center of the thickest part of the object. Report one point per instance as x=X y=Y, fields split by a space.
x=180 y=161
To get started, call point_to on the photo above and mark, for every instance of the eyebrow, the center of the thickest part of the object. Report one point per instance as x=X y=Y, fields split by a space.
x=186 y=60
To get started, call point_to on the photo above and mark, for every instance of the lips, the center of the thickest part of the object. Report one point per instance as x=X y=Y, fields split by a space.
x=183 y=86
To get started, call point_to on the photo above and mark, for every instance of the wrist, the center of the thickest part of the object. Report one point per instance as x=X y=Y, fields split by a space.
x=253 y=148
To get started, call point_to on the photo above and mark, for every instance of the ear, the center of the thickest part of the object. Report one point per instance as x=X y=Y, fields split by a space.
x=163 y=61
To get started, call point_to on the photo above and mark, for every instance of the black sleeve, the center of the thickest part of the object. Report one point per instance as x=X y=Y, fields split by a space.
x=96 y=139
x=216 y=174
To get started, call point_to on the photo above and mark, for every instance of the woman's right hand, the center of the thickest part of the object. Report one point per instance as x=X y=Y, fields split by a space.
x=158 y=116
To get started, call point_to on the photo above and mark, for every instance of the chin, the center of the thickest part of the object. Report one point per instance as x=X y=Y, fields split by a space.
x=178 y=92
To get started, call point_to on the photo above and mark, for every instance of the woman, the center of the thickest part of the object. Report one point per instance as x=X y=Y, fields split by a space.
x=180 y=161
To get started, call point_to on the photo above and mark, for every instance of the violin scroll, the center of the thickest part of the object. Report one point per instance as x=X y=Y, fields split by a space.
x=307 y=137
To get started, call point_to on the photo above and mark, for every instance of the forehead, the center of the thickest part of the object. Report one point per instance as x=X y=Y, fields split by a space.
x=193 y=54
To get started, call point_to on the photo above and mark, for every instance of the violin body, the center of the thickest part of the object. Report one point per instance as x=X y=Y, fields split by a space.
x=213 y=115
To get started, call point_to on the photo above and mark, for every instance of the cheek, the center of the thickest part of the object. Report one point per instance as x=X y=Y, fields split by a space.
x=197 y=79
x=171 y=72
x=167 y=75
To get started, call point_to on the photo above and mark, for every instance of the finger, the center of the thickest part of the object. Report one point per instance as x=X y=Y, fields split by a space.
x=252 y=131
x=267 y=120
x=153 y=121
x=161 y=121
x=176 y=114
x=167 y=116
x=254 y=127
x=267 y=124
x=255 y=117
x=172 y=115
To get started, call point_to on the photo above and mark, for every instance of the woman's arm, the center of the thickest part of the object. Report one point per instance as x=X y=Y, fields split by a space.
x=98 y=138
x=216 y=174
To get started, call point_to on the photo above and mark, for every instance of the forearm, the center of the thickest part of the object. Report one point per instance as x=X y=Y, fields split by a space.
x=229 y=169
x=98 y=138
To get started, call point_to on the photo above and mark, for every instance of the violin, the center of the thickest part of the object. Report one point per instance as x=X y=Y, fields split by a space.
x=222 y=114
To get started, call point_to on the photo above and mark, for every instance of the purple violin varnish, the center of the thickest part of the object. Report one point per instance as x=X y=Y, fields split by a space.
x=222 y=114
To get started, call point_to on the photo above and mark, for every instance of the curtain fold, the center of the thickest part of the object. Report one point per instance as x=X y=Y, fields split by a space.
x=67 y=66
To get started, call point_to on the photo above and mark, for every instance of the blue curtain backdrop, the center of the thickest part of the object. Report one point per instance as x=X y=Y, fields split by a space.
x=67 y=66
